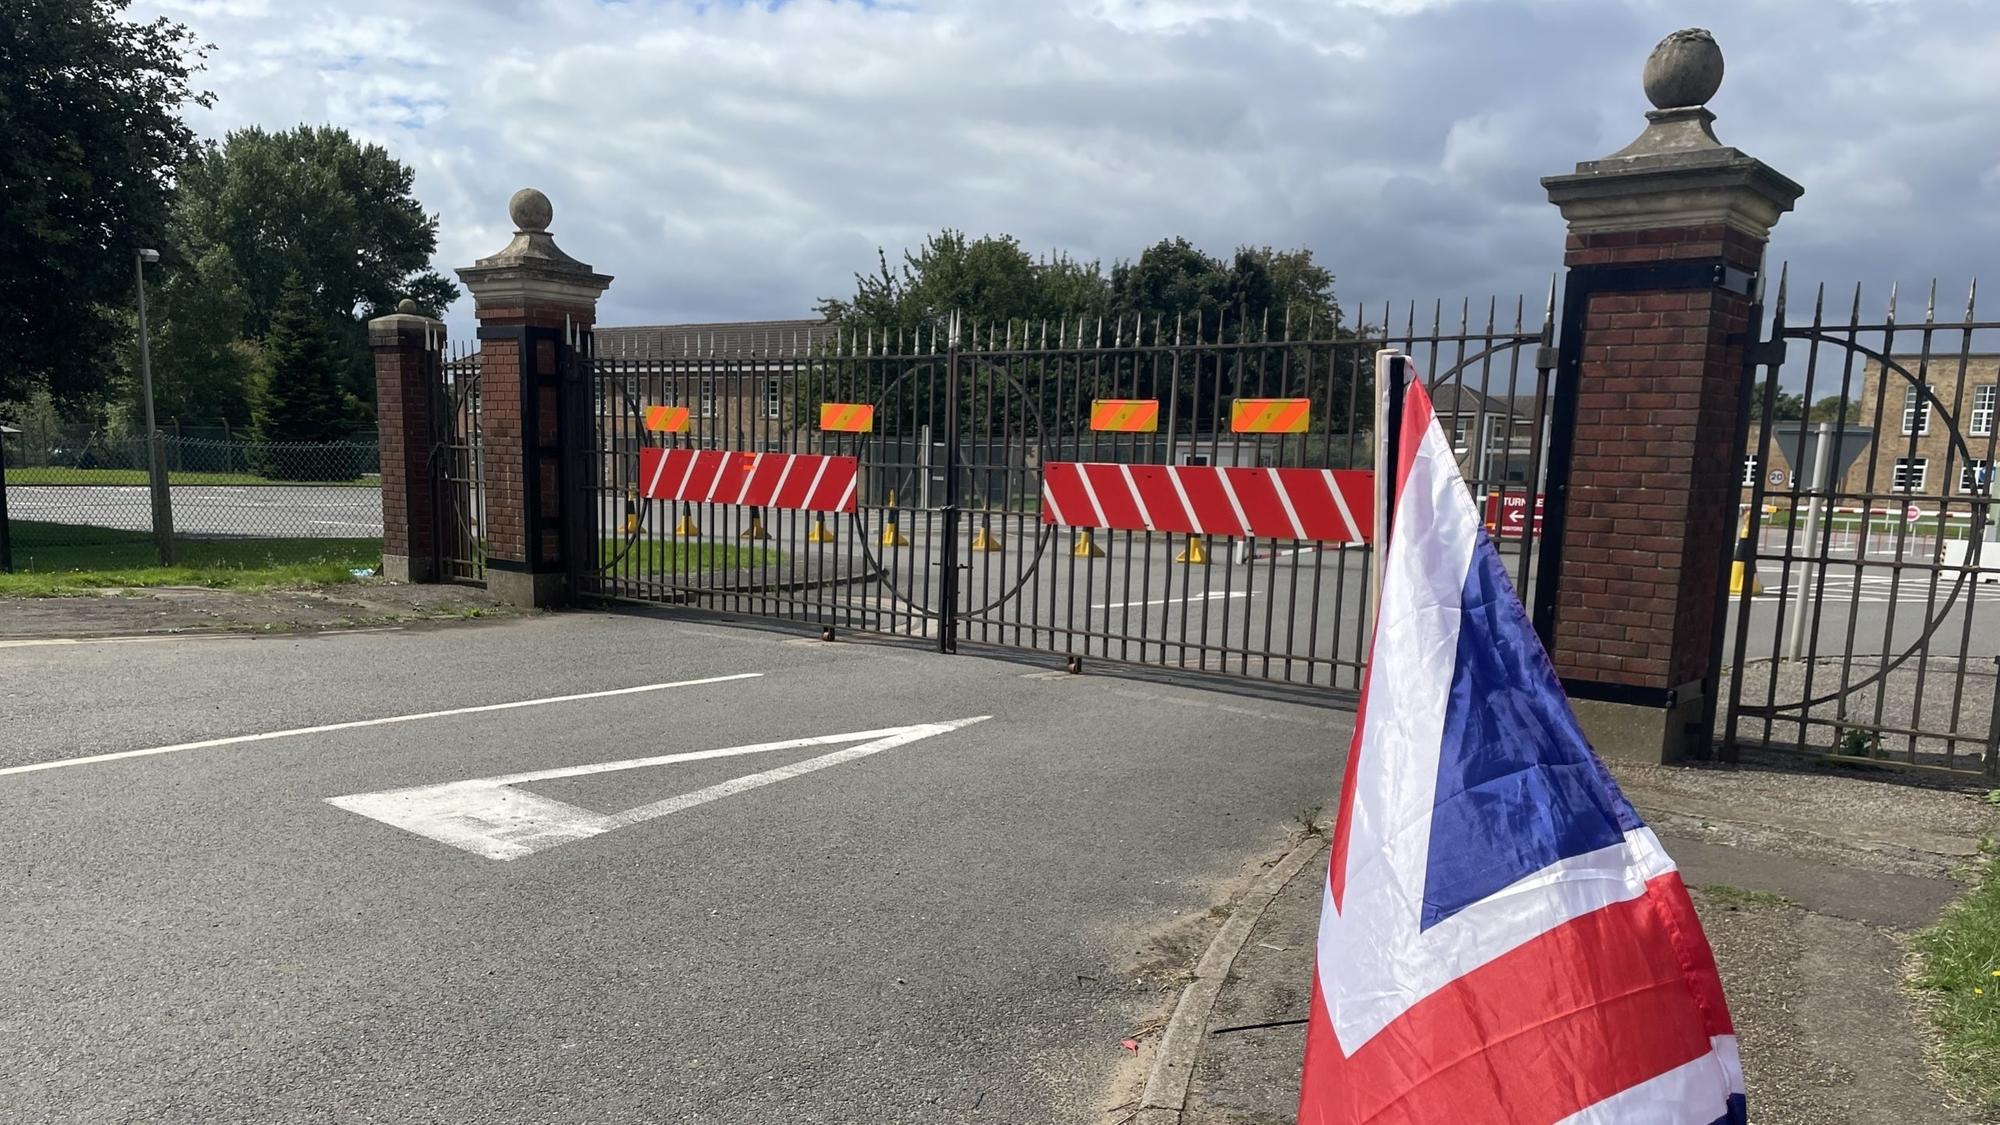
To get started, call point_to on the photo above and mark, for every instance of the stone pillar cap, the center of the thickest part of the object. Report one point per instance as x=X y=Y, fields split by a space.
x=532 y=265
x=1676 y=173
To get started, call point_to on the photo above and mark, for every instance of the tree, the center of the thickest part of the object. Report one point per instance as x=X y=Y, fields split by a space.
x=1834 y=408
x=204 y=372
x=1787 y=406
x=315 y=204
x=90 y=112
x=303 y=400
x=988 y=280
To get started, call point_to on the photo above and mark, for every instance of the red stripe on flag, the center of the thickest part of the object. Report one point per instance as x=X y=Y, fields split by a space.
x=1594 y=1006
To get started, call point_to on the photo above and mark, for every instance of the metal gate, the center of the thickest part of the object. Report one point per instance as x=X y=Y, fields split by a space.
x=1867 y=541
x=457 y=471
x=947 y=539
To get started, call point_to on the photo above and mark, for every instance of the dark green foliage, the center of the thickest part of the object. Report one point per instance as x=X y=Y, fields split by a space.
x=303 y=399
x=93 y=139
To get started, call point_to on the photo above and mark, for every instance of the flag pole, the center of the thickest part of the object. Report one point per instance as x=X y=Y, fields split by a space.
x=1391 y=371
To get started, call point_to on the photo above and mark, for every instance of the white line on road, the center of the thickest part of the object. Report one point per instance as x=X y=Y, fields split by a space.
x=1213 y=595
x=487 y=816
x=357 y=724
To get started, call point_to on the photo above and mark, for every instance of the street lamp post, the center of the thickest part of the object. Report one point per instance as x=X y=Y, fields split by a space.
x=163 y=506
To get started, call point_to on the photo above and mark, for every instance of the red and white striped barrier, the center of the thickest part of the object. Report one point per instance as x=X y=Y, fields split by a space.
x=809 y=482
x=1324 y=505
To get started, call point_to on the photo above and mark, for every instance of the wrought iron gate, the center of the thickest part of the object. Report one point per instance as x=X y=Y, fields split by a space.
x=1866 y=541
x=947 y=540
x=457 y=473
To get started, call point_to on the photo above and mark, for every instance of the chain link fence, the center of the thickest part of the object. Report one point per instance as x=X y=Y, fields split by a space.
x=80 y=501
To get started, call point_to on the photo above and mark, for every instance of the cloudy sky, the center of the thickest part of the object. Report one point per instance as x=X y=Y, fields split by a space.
x=736 y=161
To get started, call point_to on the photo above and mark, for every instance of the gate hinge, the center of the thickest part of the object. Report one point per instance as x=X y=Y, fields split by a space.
x=1545 y=357
x=1765 y=353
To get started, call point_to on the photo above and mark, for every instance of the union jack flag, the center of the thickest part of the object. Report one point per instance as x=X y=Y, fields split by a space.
x=1502 y=939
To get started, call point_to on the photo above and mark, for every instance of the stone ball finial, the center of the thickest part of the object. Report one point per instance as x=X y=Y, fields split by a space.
x=532 y=211
x=1684 y=70
x=406 y=307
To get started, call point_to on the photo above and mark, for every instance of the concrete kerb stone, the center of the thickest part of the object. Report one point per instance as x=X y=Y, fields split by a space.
x=1165 y=1094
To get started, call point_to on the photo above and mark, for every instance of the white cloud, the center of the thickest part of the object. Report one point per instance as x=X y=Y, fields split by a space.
x=738 y=160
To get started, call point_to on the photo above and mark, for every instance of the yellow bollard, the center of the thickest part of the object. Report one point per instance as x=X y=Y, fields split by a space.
x=820 y=533
x=892 y=536
x=687 y=528
x=756 y=528
x=1195 y=553
x=1085 y=549
x=984 y=539
x=1743 y=566
x=631 y=512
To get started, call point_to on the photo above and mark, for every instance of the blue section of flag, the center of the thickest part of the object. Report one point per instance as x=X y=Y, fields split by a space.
x=1518 y=788
x=1739 y=1112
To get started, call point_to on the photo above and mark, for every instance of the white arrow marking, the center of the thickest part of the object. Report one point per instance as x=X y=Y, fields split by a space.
x=487 y=816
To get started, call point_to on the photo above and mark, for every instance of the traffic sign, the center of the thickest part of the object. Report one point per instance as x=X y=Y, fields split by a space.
x=1913 y=513
x=846 y=417
x=1507 y=516
x=1777 y=477
x=1125 y=415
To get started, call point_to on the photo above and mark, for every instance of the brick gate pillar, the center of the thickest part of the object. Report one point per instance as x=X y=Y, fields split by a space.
x=1665 y=256
x=409 y=384
x=531 y=300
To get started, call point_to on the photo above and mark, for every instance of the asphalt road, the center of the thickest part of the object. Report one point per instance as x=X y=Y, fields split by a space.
x=942 y=928
x=276 y=510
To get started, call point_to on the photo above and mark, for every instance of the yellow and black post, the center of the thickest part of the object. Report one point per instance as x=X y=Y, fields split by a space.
x=1743 y=564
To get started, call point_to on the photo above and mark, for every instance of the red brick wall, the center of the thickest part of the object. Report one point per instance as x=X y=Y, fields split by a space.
x=500 y=426
x=1655 y=470
x=403 y=376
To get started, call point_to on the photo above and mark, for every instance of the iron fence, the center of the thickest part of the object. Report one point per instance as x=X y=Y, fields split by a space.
x=1868 y=539
x=948 y=540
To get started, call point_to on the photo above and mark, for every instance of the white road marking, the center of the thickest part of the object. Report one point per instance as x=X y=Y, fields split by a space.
x=488 y=817
x=1213 y=595
x=357 y=724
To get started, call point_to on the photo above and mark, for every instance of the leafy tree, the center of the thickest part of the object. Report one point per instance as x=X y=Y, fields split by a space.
x=313 y=203
x=203 y=371
x=1834 y=408
x=303 y=400
x=90 y=111
x=1788 y=407
x=986 y=280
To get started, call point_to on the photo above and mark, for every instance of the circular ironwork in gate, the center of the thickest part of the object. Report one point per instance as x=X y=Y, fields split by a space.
x=1044 y=536
x=1929 y=404
x=630 y=419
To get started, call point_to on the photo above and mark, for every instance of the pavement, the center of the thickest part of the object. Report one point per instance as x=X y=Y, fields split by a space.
x=1809 y=886
x=609 y=868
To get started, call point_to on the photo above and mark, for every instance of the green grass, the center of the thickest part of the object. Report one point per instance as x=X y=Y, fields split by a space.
x=1926 y=525
x=54 y=560
x=682 y=555
x=61 y=476
x=1961 y=966
x=1737 y=897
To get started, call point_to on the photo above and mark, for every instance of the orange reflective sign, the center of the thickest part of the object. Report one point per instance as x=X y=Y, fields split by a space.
x=1125 y=415
x=846 y=417
x=667 y=419
x=1269 y=415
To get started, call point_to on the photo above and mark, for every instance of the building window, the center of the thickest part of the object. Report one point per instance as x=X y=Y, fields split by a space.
x=774 y=399
x=1909 y=474
x=1461 y=433
x=708 y=398
x=1974 y=476
x=1750 y=471
x=1916 y=410
x=1982 y=410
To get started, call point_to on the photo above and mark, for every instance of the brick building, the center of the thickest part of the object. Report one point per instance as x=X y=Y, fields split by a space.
x=1913 y=453
x=672 y=365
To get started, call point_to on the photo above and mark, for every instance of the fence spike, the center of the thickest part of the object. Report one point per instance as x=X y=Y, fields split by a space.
x=1971 y=298
x=1893 y=287
x=1930 y=304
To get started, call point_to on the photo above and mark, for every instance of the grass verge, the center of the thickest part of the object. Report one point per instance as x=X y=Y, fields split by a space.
x=53 y=560
x=90 y=477
x=1961 y=967
x=654 y=556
